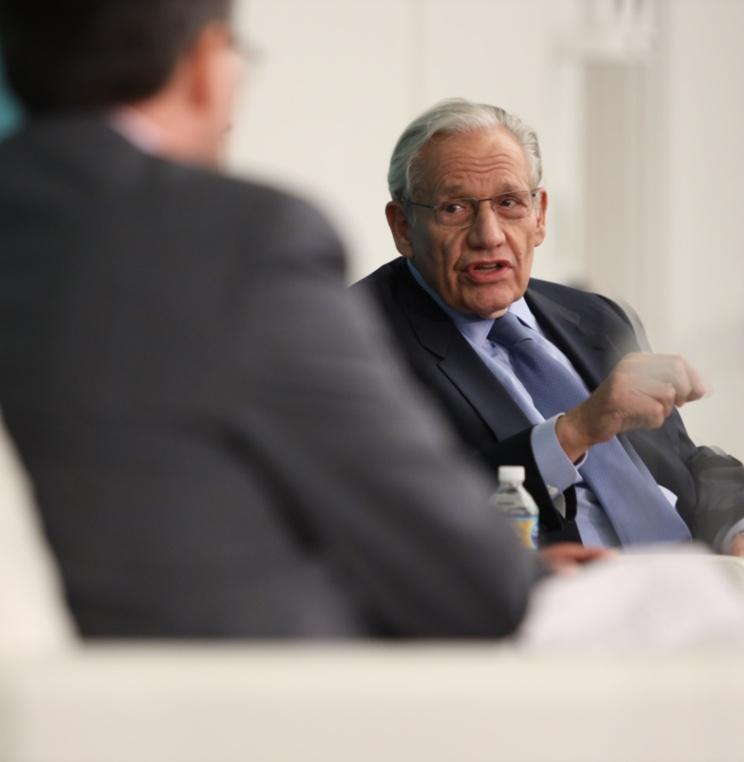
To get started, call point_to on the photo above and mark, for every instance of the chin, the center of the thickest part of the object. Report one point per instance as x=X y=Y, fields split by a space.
x=485 y=311
x=491 y=308
x=494 y=313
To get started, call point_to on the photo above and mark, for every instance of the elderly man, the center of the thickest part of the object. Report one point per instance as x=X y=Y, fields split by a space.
x=531 y=372
x=202 y=406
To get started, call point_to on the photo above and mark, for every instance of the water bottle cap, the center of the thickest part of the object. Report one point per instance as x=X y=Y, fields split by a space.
x=511 y=474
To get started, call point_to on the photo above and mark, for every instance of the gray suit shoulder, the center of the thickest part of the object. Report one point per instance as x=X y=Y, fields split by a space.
x=581 y=300
x=83 y=160
x=251 y=212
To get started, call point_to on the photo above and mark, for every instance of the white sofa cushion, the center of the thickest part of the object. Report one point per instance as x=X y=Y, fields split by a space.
x=394 y=703
x=33 y=616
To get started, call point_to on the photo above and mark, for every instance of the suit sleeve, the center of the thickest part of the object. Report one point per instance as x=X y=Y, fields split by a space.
x=719 y=489
x=367 y=469
x=718 y=478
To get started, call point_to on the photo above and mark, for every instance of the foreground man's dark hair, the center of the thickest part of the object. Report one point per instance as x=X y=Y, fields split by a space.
x=82 y=55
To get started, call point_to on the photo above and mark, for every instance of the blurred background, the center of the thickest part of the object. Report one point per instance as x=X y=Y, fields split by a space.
x=639 y=105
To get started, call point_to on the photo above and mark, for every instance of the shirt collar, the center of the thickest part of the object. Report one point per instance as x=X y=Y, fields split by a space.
x=473 y=327
x=140 y=131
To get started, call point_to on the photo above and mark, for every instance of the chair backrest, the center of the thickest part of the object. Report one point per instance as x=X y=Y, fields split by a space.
x=33 y=615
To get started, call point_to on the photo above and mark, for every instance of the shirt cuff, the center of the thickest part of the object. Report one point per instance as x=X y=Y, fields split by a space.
x=556 y=468
x=723 y=541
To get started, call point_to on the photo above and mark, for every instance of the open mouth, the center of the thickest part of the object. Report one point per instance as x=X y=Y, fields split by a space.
x=489 y=266
x=484 y=270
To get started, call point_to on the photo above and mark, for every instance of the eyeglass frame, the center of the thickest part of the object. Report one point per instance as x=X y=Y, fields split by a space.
x=475 y=205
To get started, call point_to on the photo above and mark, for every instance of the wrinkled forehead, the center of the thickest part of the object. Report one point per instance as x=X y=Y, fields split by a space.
x=476 y=162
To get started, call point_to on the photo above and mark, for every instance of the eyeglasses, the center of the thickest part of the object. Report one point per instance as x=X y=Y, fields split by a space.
x=461 y=212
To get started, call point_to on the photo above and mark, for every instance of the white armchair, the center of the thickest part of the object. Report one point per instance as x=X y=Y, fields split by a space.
x=32 y=616
x=64 y=701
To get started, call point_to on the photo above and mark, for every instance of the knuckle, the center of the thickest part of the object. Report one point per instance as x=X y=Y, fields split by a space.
x=678 y=365
x=632 y=359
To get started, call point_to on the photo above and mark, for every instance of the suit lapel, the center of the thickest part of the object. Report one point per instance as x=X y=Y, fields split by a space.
x=457 y=360
x=591 y=351
x=483 y=391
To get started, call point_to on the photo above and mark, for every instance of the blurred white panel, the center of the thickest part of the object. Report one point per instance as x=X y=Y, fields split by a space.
x=706 y=279
x=663 y=158
x=707 y=108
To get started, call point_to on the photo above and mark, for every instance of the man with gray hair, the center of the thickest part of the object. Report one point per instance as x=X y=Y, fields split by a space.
x=531 y=372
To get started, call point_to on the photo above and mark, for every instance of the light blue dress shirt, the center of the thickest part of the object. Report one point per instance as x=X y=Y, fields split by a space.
x=556 y=469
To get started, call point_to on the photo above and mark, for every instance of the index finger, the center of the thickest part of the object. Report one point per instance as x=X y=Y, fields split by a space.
x=698 y=387
x=687 y=381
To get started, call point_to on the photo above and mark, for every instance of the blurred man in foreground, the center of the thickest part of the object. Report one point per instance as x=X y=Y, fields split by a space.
x=532 y=372
x=219 y=443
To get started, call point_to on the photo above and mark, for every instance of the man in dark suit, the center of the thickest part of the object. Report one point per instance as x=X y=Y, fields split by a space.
x=219 y=442
x=531 y=372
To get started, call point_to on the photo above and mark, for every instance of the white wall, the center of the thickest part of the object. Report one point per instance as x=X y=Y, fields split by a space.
x=641 y=140
x=664 y=162
x=706 y=245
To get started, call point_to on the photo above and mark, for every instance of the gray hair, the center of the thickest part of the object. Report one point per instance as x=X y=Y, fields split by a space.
x=449 y=117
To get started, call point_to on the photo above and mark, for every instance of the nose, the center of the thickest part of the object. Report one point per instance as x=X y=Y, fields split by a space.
x=487 y=230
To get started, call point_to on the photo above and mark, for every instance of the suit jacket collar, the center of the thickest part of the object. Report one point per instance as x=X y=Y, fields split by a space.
x=83 y=144
x=574 y=334
x=458 y=361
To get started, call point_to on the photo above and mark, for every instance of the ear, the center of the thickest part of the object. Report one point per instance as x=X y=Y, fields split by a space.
x=205 y=64
x=542 y=211
x=399 y=227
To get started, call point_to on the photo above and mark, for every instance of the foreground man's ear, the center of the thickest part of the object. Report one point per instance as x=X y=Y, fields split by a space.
x=211 y=73
x=204 y=65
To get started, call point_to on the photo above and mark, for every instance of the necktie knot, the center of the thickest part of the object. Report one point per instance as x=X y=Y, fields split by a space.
x=509 y=330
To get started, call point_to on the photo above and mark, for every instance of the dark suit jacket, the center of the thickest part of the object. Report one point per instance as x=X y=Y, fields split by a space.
x=594 y=333
x=219 y=441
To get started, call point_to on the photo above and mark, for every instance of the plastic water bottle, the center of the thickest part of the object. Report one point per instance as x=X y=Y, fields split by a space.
x=517 y=504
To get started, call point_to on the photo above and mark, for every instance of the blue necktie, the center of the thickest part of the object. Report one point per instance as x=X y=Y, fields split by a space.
x=618 y=478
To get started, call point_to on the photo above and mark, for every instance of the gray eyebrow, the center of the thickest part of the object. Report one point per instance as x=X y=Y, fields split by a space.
x=456 y=196
x=455 y=192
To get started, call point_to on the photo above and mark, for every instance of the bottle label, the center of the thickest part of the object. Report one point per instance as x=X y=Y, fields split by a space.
x=519 y=508
x=526 y=529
